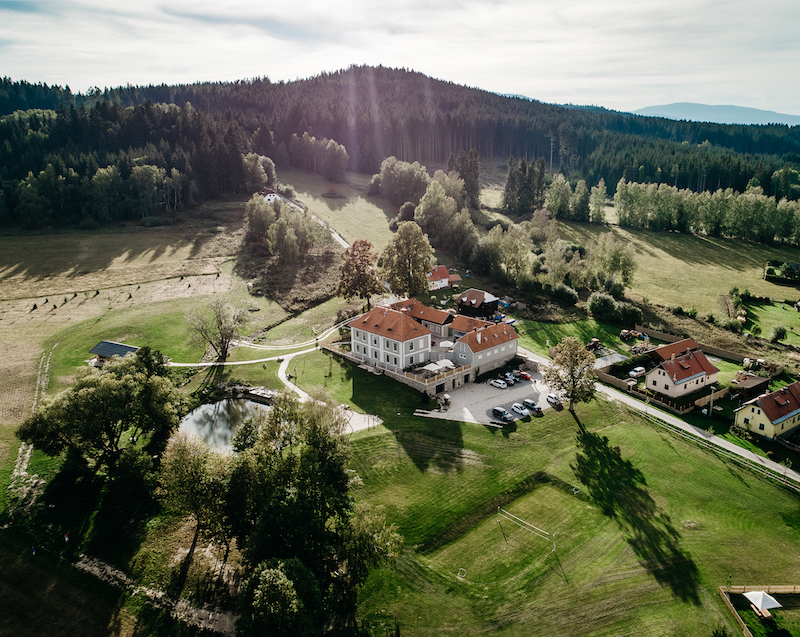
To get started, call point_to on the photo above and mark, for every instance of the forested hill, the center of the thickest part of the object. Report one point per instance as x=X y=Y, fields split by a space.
x=375 y=112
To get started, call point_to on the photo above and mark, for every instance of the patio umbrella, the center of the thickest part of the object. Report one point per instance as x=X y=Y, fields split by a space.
x=761 y=600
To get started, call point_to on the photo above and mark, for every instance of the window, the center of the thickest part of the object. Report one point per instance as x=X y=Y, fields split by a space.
x=480 y=356
x=462 y=355
x=394 y=346
x=654 y=383
x=759 y=412
x=761 y=426
x=666 y=386
x=374 y=354
x=395 y=360
x=410 y=360
x=386 y=343
x=746 y=421
x=374 y=340
x=686 y=386
x=411 y=346
x=387 y=358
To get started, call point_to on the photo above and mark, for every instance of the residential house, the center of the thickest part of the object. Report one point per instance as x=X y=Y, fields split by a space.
x=390 y=337
x=666 y=352
x=438 y=278
x=487 y=347
x=477 y=303
x=682 y=374
x=437 y=321
x=462 y=324
x=773 y=413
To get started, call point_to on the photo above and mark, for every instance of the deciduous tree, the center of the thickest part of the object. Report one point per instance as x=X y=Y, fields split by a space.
x=572 y=372
x=406 y=260
x=96 y=417
x=217 y=324
x=358 y=275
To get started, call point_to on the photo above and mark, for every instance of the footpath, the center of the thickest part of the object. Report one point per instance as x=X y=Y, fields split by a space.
x=724 y=445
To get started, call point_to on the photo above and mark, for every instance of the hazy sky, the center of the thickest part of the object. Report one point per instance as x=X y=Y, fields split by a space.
x=621 y=54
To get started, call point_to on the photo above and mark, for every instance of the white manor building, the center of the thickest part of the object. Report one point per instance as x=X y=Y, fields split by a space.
x=390 y=337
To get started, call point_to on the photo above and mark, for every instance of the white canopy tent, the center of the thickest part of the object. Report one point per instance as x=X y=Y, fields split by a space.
x=762 y=600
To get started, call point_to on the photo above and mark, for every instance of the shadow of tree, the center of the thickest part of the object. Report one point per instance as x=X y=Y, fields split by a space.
x=618 y=488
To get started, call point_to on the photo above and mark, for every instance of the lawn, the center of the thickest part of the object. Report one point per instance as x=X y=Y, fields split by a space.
x=656 y=526
x=690 y=271
x=766 y=316
x=538 y=336
x=353 y=214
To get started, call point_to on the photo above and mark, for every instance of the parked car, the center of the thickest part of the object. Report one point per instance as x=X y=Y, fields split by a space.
x=509 y=378
x=522 y=411
x=532 y=407
x=496 y=382
x=522 y=375
x=637 y=371
x=553 y=400
x=502 y=414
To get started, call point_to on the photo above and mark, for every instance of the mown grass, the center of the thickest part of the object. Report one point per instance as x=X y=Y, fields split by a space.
x=539 y=336
x=769 y=315
x=354 y=215
x=691 y=271
x=656 y=526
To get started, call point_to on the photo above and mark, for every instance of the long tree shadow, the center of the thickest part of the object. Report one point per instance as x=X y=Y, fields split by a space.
x=618 y=488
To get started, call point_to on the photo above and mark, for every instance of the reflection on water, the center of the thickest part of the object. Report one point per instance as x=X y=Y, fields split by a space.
x=216 y=423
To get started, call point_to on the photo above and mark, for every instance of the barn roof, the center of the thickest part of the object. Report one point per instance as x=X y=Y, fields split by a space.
x=107 y=349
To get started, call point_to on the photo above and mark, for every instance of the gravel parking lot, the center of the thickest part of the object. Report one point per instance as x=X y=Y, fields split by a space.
x=473 y=402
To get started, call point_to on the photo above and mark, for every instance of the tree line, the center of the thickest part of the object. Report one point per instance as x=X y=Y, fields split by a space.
x=107 y=163
x=379 y=112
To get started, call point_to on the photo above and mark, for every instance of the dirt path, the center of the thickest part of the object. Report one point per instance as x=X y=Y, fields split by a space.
x=207 y=618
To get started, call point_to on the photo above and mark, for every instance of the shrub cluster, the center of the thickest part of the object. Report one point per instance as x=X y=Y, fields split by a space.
x=604 y=307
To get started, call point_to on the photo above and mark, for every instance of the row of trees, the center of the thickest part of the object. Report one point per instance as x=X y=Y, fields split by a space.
x=322 y=156
x=749 y=215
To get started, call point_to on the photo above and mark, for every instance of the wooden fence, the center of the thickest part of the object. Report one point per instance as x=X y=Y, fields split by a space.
x=707 y=349
x=754 y=467
x=723 y=593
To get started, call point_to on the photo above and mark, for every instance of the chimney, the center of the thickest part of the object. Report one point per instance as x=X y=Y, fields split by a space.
x=672 y=358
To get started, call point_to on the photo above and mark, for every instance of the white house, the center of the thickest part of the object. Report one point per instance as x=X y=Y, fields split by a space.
x=486 y=348
x=438 y=278
x=391 y=338
x=682 y=375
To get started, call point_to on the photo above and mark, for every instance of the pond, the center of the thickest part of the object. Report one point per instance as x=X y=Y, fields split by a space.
x=216 y=423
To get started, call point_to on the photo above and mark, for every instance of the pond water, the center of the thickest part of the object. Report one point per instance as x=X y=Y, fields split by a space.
x=216 y=422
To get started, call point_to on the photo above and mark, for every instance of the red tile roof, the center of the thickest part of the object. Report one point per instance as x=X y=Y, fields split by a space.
x=781 y=404
x=463 y=323
x=691 y=365
x=421 y=312
x=487 y=337
x=665 y=352
x=455 y=279
x=390 y=323
x=473 y=297
x=439 y=273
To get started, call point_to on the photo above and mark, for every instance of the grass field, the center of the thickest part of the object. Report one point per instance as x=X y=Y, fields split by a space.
x=691 y=271
x=353 y=213
x=768 y=315
x=640 y=550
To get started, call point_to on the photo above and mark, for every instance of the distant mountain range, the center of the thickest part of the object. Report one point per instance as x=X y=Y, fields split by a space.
x=718 y=114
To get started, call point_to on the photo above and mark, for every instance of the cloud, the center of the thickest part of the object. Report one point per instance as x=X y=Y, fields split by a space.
x=615 y=53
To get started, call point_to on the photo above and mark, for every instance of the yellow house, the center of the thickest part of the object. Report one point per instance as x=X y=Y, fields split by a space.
x=772 y=414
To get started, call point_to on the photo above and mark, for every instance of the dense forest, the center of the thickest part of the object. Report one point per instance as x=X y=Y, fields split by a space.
x=53 y=142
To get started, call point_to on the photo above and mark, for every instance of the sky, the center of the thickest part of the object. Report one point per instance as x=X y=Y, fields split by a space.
x=619 y=54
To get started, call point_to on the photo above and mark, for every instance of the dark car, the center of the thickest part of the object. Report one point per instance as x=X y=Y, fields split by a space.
x=502 y=414
x=532 y=407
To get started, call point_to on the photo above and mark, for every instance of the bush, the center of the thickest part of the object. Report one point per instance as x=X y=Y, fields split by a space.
x=564 y=294
x=602 y=306
x=629 y=314
x=732 y=325
x=778 y=333
x=374 y=186
x=89 y=224
x=149 y=222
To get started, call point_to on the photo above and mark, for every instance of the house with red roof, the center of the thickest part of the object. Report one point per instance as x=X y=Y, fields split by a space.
x=682 y=374
x=486 y=347
x=437 y=321
x=462 y=324
x=773 y=413
x=665 y=352
x=438 y=278
x=391 y=337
